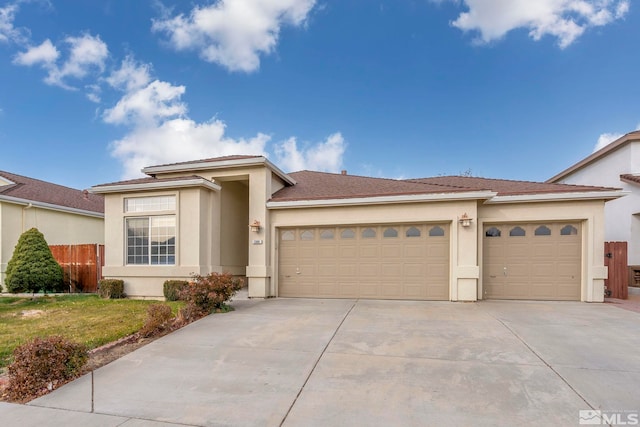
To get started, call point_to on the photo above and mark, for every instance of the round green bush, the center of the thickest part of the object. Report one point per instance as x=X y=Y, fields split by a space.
x=32 y=268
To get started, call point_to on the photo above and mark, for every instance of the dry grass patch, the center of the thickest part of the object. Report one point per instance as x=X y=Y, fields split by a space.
x=85 y=319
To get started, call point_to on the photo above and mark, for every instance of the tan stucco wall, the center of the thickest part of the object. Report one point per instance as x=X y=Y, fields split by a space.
x=262 y=183
x=234 y=234
x=58 y=227
x=197 y=240
x=589 y=213
x=464 y=270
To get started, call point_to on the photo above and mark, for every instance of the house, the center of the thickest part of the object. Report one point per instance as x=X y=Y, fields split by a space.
x=615 y=165
x=64 y=215
x=314 y=234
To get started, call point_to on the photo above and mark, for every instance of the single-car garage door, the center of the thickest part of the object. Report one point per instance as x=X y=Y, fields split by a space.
x=532 y=261
x=399 y=261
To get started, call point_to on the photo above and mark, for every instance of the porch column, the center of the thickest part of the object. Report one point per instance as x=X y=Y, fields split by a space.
x=258 y=270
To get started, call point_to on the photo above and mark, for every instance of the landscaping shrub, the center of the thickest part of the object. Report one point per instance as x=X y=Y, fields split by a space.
x=158 y=319
x=205 y=294
x=42 y=365
x=111 y=288
x=32 y=268
x=172 y=289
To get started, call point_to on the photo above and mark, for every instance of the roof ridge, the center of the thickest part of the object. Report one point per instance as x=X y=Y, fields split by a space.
x=36 y=179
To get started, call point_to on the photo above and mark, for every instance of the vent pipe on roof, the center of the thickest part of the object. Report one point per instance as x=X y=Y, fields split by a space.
x=343 y=172
x=85 y=194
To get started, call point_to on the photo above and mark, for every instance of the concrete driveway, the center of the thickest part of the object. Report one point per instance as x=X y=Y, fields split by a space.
x=301 y=362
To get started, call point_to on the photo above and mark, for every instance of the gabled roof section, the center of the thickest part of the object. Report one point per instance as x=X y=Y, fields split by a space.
x=235 y=161
x=313 y=185
x=505 y=187
x=22 y=189
x=615 y=145
x=153 y=183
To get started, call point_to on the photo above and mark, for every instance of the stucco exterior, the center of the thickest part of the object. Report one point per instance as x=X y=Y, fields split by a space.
x=604 y=168
x=218 y=199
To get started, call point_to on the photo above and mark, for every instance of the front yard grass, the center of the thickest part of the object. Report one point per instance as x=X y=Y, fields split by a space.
x=85 y=319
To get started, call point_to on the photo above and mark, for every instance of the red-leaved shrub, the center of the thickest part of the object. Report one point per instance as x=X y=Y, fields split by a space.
x=158 y=319
x=42 y=365
x=204 y=294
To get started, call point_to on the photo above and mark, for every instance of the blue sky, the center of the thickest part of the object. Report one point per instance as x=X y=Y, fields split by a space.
x=91 y=92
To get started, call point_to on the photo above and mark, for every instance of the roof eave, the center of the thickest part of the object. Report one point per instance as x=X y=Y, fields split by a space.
x=558 y=197
x=50 y=206
x=618 y=143
x=200 y=165
x=378 y=200
x=162 y=185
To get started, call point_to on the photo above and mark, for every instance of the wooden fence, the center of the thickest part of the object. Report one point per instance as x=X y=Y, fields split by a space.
x=615 y=257
x=82 y=265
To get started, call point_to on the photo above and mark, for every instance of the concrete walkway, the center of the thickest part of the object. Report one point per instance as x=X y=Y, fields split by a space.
x=301 y=362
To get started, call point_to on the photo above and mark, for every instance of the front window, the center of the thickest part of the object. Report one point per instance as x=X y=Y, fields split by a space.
x=150 y=204
x=151 y=240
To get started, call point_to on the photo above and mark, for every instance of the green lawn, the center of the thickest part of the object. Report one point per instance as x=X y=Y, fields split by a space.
x=85 y=319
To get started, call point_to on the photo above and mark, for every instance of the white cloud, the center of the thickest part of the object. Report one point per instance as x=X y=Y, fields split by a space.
x=324 y=156
x=46 y=53
x=8 y=33
x=606 y=139
x=180 y=140
x=150 y=104
x=564 y=19
x=86 y=54
x=234 y=33
x=131 y=75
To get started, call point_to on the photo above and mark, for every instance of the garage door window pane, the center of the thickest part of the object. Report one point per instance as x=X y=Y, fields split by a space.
x=306 y=235
x=347 y=233
x=568 y=230
x=517 y=232
x=288 y=235
x=413 y=232
x=390 y=232
x=543 y=230
x=368 y=233
x=326 y=234
x=493 y=232
x=436 y=232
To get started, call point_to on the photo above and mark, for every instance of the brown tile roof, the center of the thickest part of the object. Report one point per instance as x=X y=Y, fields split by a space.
x=630 y=178
x=320 y=185
x=35 y=190
x=505 y=187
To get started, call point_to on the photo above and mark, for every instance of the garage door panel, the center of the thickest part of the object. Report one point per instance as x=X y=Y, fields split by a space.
x=546 y=266
x=368 y=270
x=369 y=251
x=360 y=262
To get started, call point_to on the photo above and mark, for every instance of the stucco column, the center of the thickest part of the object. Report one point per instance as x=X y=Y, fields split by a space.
x=258 y=270
x=466 y=269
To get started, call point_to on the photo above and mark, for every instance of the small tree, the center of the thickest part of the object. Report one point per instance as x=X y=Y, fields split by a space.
x=32 y=267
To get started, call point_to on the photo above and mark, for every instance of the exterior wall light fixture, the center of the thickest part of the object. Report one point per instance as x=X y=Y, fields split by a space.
x=464 y=220
x=255 y=226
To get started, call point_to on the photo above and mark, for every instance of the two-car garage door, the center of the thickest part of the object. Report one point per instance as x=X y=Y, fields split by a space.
x=397 y=261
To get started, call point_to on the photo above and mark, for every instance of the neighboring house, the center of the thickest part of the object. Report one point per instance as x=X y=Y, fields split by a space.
x=313 y=234
x=615 y=165
x=65 y=216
